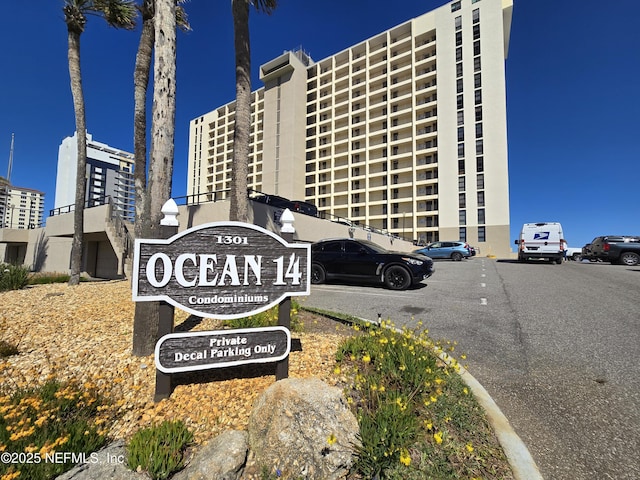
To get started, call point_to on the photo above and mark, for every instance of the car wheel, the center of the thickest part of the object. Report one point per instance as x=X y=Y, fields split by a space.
x=318 y=274
x=630 y=259
x=456 y=256
x=397 y=278
x=577 y=257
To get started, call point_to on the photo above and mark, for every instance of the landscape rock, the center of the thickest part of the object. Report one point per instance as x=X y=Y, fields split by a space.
x=223 y=458
x=303 y=428
x=107 y=464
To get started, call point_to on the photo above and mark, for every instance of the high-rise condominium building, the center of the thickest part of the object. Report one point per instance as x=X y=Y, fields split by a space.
x=404 y=132
x=20 y=208
x=109 y=176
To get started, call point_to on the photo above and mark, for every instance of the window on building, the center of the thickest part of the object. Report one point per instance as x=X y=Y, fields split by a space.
x=478 y=114
x=455 y=6
x=476 y=32
x=479 y=147
x=462 y=184
x=458 y=69
x=482 y=234
x=458 y=39
x=458 y=21
x=462 y=200
x=477 y=80
x=481 y=200
x=460 y=101
x=460 y=117
x=480 y=164
x=463 y=234
x=476 y=47
x=479 y=130
x=461 y=167
x=460 y=150
x=477 y=96
x=458 y=54
x=459 y=85
x=462 y=217
x=461 y=134
x=481 y=219
x=480 y=181
x=476 y=64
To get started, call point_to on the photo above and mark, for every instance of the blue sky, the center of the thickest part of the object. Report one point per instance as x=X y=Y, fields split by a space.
x=573 y=95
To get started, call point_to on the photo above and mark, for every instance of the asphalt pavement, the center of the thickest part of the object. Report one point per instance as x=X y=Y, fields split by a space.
x=556 y=348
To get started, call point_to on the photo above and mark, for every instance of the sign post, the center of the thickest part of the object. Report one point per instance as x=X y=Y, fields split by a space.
x=284 y=308
x=168 y=227
x=222 y=270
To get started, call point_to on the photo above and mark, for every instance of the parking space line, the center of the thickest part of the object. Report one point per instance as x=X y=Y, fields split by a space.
x=483 y=301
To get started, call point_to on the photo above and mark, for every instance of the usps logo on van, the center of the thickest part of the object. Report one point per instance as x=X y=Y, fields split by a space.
x=541 y=236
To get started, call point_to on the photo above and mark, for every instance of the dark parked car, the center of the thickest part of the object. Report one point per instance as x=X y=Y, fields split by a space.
x=281 y=202
x=454 y=250
x=622 y=249
x=349 y=259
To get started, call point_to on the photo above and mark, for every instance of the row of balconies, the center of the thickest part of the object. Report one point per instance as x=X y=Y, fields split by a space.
x=375 y=78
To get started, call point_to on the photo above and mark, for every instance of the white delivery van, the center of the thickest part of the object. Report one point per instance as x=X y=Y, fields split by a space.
x=541 y=241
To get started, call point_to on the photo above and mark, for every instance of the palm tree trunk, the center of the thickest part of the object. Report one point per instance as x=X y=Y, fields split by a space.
x=144 y=322
x=145 y=327
x=239 y=204
x=81 y=132
x=164 y=111
x=141 y=84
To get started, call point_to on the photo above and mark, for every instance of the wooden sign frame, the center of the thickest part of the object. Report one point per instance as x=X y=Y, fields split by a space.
x=221 y=270
x=186 y=352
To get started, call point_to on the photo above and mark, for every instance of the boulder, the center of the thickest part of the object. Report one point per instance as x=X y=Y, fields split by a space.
x=110 y=463
x=223 y=458
x=303 y=428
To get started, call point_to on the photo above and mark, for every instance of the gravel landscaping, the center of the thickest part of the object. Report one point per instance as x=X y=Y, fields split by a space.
x=84 y=333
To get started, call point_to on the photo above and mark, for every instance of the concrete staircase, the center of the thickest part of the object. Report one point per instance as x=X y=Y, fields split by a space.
x=120 y=234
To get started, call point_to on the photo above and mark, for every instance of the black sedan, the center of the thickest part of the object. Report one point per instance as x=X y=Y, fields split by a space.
x=349 y=259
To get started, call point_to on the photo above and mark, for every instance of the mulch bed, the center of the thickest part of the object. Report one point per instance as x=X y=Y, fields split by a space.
x=84 y=333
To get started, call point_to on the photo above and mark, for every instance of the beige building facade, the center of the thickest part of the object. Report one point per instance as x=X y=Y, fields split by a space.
x=405 y=132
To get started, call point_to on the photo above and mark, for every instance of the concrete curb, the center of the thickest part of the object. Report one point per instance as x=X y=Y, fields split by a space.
x=521 y=461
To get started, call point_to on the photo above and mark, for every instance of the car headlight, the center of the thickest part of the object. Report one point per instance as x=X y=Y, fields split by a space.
x=412 y=261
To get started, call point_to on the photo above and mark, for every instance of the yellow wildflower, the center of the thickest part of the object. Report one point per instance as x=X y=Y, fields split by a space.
x=469 y=447
x=405 y=458
x=438 y=437
x=332 y=439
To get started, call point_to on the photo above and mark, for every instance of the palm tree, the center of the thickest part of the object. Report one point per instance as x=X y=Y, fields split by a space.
x=119 y=14
x=239 y=204
x=145 y=323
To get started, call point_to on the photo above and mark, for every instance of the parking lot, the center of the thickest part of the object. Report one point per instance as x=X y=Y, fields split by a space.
x=557 y=346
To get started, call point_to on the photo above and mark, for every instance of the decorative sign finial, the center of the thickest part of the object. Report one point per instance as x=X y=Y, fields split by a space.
x=170 y=211
x=287 y=220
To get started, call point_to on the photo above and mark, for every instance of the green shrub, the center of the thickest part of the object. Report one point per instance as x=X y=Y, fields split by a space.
x=159 y=449
x=55 y=417
x=13 y=277
x=417 y=419
x=48 y=277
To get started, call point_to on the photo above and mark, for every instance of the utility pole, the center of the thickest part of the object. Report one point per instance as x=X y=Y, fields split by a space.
x=10 y=159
